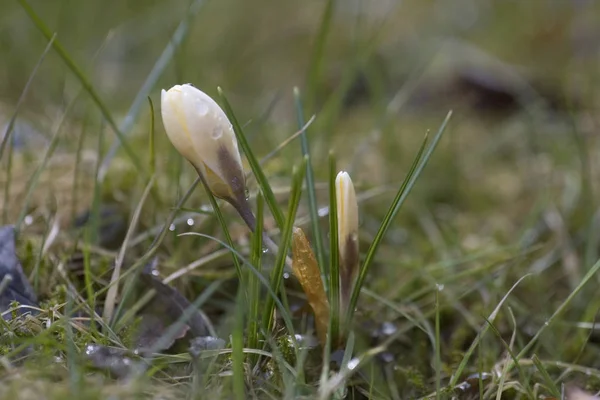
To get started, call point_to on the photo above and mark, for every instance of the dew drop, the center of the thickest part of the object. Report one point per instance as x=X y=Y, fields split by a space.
x=91 y=349
x=28 y=220
x=201 y=108
x=286 y=275
x=388 y=328
x=439 y=287
x=323 y=211
x=190 y=221
x=265 y=250
x=353 y=364
x=217 y=132
x=172 y=227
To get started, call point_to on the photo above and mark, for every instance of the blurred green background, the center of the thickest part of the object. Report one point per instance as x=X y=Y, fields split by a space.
x=521 y=77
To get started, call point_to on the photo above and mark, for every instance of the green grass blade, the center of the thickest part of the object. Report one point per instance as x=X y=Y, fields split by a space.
x=225 y=228
x=255 y=259
x=92 y=229
x=285 y=315
x=590 y=274
x=261 y=178
x=237 y=346
x=136 y=268
x=310 y=187
x=75 y=380
x=157 y=70
x=8 y=183
x=318 y=53
x=524 y=381
x=546 y=376
x=286 y=237
x=415 y=171
x=152 y=149
x=334 y=260
x=438 y=348
x=84 y=81
x=111 y=296
x=463 y=363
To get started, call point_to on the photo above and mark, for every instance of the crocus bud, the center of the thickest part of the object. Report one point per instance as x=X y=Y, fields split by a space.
x=201 y=132
x=347 y=216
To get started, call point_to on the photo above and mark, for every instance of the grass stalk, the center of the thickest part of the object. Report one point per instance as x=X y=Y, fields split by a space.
x=277 y=273
x=310 y=189
x=254 y=299
x=334 y=260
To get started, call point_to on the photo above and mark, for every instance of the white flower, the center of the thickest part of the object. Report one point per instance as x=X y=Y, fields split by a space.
x=347 y=218
x=202 y=133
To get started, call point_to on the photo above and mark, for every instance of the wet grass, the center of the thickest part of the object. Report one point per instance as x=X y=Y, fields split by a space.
x=479 y=259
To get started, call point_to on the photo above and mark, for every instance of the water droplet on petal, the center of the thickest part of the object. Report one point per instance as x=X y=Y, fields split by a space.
x=217 y=132
x=201 y=107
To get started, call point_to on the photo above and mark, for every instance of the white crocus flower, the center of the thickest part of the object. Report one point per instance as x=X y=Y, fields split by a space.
x=202 y=133
x=347 y=217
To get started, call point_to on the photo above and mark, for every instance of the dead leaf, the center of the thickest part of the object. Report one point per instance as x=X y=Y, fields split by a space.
x=306 y=270
x=15 y=286
x=163 y=311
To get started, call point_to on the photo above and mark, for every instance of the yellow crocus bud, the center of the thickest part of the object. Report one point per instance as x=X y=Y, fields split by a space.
x=202 y=133
x=347 y=217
